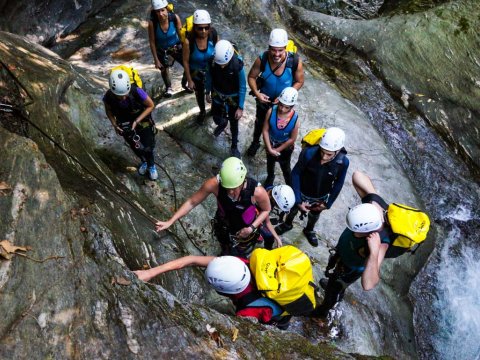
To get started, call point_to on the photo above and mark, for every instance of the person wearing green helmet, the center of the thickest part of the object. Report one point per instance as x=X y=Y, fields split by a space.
x=243 y=205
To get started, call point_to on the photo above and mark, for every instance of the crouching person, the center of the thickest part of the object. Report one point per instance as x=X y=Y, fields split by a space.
x=231 y=277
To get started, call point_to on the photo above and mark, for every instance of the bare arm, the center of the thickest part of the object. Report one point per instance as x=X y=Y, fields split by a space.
x=270 y=228
x=186 y=62
x=299 y=77
x=210 y=186
x=371 y=275
x=180 y=263
x=153 y=46
x=265 y=133
x=263 y=204
x=252 y=81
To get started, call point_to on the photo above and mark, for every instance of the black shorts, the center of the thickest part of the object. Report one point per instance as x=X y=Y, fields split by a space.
x=375 y=197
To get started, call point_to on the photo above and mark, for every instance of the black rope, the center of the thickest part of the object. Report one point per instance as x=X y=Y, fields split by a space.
x=151 y=219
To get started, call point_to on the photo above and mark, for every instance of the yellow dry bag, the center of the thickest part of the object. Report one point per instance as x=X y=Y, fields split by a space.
x=410 y=224
x=285 y=275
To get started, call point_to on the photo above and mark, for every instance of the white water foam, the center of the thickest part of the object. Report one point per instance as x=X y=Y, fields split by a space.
x=458 y=304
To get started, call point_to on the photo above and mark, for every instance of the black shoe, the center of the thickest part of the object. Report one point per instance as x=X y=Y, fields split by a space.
x=234 y=152
x=311 y=237
x=200 y=118
x=323 y=283
x=253 y=148
x=283 y=228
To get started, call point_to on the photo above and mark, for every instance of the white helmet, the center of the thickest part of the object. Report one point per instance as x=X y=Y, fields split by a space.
x=119 y=82
x=288 y=96
x=201 y=17
x=159 y=4
x=228 y=274
x=364 y=218
x=333 y=139
x=278 y=38
x=223 y=52
x=284 y=197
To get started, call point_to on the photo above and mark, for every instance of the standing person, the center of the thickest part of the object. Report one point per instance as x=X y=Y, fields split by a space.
x=198 y=49
x=272 y=72
x=317 y=179
x=243 y=206
x=231 y=277
x=226 y=81
x=129 y=109
x=164 y=38
x=280 y=131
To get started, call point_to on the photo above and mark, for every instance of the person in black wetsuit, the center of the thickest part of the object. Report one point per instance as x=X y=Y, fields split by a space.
x=317 y=179
x=227 y=83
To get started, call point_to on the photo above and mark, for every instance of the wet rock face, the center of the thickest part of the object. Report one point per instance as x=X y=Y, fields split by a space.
x=432 y=66
x=74 y=296
x=43 y=21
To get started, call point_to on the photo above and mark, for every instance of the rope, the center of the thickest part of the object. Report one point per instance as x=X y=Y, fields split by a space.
x=151 y=219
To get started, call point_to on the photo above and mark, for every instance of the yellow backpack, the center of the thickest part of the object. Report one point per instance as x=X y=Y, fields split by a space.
x=313 y=137
x=291 y=47
x=410 y=224
x=132 y=73
x=285 y=275
x=186 y=28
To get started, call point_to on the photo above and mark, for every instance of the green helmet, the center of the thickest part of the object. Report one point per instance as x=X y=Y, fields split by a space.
x=232 y=173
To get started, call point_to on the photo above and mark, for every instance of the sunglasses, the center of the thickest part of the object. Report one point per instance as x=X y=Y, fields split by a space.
x=202 y=28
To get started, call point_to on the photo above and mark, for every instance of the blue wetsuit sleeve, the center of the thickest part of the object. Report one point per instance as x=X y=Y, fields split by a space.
x=296 y=173
x=208 y=78
x=242 y=90
x=338 y=184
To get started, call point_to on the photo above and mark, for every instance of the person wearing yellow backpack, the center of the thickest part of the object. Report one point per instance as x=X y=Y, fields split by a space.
x=362 y=246
x=317 y=179
x=272 y=286
x=164 y=38
x=273 y=71
x=129 y=108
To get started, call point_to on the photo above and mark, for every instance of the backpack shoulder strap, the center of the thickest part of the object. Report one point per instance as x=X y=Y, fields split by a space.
x=263 y=61
x=292 y=61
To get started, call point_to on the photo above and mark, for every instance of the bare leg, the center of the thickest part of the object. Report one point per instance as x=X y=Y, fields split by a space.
x=362 y=183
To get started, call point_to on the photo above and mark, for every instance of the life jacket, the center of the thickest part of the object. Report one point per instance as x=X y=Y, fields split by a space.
x=277 y=135
x=409 y=226
x=318 y=180
x=285 y=275
x=172 y=20
x=225 y=80
x=132 y=73
x=237 y=214
x=126 y=116
x=313 y=137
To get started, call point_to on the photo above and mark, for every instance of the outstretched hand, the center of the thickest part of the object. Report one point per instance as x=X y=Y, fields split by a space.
x=162 y=225
x=143 y=275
